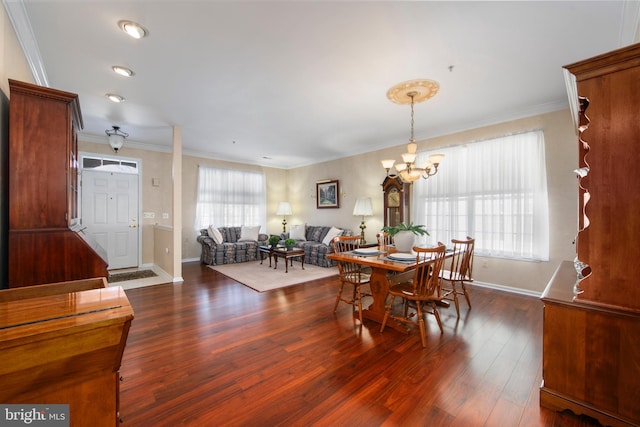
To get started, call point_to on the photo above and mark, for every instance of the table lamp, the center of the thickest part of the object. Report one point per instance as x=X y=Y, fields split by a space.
x=284 y=209
x=363 y=208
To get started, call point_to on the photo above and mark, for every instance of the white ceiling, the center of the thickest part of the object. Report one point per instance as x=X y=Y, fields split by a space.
x=286 y=84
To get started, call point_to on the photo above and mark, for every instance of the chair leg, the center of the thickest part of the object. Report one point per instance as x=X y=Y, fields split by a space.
x=455 y=298
x=335 y=307
x=466 y=294
x=358 y=297
x=421 y=326
x=437 y=315
x=386 y=313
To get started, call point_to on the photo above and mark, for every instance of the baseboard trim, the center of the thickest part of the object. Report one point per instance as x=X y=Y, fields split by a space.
x=507 y=289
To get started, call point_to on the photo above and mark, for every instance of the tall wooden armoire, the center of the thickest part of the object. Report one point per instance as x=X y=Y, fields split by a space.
x=44 y=244
x=591 y=339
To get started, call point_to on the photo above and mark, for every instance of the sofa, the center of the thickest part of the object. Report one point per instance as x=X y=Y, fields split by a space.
x=316 y=242
x=228 y=245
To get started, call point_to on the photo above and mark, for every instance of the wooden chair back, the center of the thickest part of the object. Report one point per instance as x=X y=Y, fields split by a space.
x=426 y=278
x=349 y=271
x=384 y=239
x=462 y=260
x=345 y=243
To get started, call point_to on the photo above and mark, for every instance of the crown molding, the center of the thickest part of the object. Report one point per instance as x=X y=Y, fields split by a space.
x=19 y=18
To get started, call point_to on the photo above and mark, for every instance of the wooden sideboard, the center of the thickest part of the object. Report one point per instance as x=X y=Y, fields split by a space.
x=591 y=338
x=63 y=343
x=44 y=241
x=590 y=355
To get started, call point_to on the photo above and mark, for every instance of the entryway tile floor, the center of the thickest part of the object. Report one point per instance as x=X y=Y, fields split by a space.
x=162 y=277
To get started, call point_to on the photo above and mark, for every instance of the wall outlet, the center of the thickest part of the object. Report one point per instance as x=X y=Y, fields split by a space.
x=165 y=215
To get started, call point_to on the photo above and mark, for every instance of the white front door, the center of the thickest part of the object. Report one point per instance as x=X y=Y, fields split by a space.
x=110 y=214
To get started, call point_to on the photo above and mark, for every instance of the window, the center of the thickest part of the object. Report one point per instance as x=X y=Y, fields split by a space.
x=228 y=198
x=493 y=190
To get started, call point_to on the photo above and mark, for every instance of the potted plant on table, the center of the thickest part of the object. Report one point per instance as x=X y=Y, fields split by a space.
x=404 y=235
x=274 y=240
x=290 y=244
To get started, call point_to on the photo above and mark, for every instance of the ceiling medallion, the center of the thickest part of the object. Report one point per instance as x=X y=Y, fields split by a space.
x=422 y=89
x=410 y=92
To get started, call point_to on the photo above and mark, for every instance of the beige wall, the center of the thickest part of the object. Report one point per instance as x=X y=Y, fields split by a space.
x=13 y=64
x=162 y=244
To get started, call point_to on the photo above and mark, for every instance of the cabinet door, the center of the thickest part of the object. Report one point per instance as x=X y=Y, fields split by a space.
x=38 y=162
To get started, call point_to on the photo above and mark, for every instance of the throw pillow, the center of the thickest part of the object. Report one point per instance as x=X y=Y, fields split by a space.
x=215 y=234
x=297 y=232
x=331 y=234
x=249 y=233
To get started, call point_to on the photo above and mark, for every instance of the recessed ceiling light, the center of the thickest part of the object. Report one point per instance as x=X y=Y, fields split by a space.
x=134 y=29
x=114 y=97
x=123 y=71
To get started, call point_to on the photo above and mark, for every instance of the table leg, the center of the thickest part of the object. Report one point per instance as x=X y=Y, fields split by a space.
x=380 y=289
x=302 y=262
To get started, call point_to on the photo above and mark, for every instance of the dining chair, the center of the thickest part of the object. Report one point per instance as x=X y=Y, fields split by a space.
x=459 y=272
x=350 y=274
x=423 y=290
x=384 y=239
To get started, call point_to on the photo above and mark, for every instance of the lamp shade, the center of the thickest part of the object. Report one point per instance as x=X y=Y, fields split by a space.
x=363 y=207
x=284 y=208
x=116 y=142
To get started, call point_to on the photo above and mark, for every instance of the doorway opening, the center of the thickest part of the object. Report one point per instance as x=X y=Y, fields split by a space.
x=110 y=207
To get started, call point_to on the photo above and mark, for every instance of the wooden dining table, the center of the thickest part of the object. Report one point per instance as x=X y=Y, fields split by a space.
x=383 y=272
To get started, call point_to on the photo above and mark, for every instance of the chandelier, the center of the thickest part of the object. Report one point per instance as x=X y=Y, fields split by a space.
x=410 y=92
x=116 y=138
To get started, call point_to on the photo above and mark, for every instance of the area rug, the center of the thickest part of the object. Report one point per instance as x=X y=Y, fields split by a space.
x=262 y=278
x=131 y=275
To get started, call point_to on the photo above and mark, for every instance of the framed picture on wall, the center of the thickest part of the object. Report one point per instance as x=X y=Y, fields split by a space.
x=327 y=194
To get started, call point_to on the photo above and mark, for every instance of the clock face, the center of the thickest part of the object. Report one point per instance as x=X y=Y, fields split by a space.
x=393 y=199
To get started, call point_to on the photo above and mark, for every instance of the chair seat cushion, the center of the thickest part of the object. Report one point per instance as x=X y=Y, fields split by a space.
x=357 y=278
x=455 y=276
x=405 y=290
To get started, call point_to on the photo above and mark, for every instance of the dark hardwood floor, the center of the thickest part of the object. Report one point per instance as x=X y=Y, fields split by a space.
x=212 y=352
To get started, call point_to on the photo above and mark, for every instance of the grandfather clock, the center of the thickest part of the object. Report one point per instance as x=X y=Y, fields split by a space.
x=396 y=200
